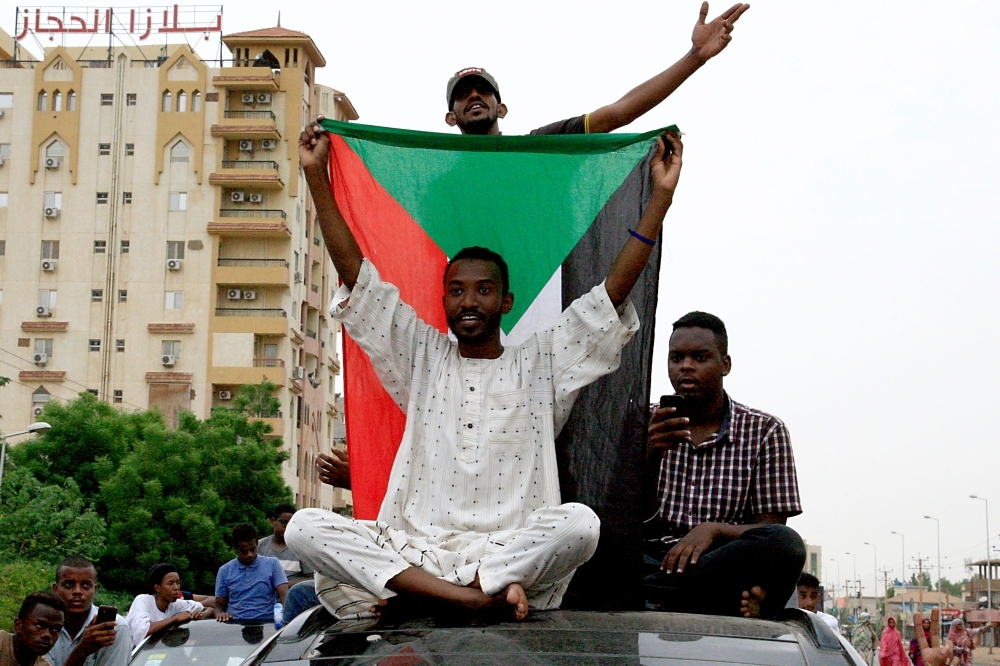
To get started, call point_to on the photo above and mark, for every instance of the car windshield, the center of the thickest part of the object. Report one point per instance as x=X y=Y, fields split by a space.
x=203 y=643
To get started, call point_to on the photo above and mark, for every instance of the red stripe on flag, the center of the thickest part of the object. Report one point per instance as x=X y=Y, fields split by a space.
x=407 y=257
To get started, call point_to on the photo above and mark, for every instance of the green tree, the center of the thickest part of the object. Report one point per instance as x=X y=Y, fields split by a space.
x=176 y=496
x=954 y=589
x=925 y=580
x=256 y=400
x=46 y=522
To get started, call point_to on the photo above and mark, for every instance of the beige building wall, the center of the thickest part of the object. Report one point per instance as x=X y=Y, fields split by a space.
x=162 y=203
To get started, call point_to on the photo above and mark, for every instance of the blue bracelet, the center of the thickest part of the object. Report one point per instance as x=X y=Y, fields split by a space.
x=647 y=241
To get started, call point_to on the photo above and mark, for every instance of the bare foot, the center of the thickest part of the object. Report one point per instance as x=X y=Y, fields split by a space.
x=750 y=604
x=518 y=599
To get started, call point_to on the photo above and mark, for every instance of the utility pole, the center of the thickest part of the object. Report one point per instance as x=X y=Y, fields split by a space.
x=885 y=603
x=920 y=582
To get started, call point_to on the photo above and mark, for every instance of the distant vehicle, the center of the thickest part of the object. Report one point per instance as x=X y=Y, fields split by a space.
x=203 y=643
x=562 y=637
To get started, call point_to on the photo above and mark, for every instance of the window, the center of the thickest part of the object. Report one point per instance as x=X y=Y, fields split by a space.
x=126 y=197
x=104 y=149
x=57 y=101
x=123 y=295
x=167 y=102
x=179 y=152
x=53 y=199
x=174 y=300
x=119 y=345
x=175 y=249
x=178 y=201
x=100 y=247
x=96 y=295
x=3 y=247
x=129 y=149
x=196 y=101
x=95 y=345
x=118 y=395
x=43 y=101
x=130 y=99
x=92 y=392
x=55 y=149
x=47 y=298
x=182 y=101
x=4 y=151
x=125 y=245
x=71 y=101
x=102 y=197
x=6 y=100
x=107 y=99
x=171 y=348
x=43 y=346
x=50 y=249
x=3 y=199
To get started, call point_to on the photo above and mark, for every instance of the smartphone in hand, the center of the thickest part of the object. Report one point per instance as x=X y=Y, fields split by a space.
x=675 y=401
x=106 y=614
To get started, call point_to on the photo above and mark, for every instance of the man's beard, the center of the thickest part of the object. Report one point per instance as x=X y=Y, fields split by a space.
x=492 y=323
x=481 y=127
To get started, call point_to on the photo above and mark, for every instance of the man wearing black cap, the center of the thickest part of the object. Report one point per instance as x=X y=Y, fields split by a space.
x=474 y=104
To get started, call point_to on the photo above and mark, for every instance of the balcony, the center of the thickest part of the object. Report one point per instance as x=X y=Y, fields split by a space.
x=256 y=222
x=262 y=321
x=247 y=125
x=246 y=78
x=277 y=424
x=259 y=174
x=271 y=369
x=252 y=272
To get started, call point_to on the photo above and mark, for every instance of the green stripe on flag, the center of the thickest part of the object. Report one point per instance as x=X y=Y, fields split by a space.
x=530 y=198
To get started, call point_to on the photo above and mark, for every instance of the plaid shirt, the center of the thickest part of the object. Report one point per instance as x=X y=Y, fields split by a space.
x=745 y=469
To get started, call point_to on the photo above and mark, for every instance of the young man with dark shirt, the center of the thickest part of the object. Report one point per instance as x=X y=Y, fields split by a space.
x=474 y=104
x=82 y=641
x=725 y=485
x=36 y=629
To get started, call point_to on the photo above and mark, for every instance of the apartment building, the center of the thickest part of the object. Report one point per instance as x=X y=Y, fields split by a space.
x=158 y=245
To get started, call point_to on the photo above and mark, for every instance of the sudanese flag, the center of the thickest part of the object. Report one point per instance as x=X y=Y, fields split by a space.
x=558 y=209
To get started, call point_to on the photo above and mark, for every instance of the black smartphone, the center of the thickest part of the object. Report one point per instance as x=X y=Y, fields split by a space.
x=675 y=401
x=106 y=614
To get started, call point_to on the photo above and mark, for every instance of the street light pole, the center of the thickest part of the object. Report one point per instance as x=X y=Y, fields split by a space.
x=855 y=579
x=989 y=569
x=902 y=570
x=875 y=560
x=41 y=426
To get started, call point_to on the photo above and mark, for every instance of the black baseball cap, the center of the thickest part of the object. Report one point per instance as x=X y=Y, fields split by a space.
x=478 y=72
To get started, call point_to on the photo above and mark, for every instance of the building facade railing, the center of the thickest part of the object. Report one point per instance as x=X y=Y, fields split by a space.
x=279 y=263
x=252 y=212
x=250 y=312
x=250 y=164
x=268 y=363
x=264 y=115
x=310 y=333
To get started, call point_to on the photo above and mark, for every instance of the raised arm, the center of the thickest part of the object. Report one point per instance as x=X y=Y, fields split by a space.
x=664 y=172
x=314 y=156
x=707 y=41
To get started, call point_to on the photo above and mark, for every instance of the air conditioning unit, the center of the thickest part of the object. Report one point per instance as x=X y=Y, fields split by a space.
x=298 y=372
x=236 y=197
x=40 y=358
x=52 y=162
x=298 y=278
x=263 y=98
x=52 y=212
x=49 y=265
x=225 y=395
x=43 y=311
x=249 y=295
x=37 y=411
x=268 y=144
x=256 y=198
x=174 y=264
x=235 y=294
x=249 y=98
x=167 y=359
x=246 y=146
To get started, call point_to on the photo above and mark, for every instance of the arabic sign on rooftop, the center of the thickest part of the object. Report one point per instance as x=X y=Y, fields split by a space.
x=136 y=24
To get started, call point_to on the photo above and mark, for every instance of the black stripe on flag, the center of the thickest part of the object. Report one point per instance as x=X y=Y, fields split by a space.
x=601 y=450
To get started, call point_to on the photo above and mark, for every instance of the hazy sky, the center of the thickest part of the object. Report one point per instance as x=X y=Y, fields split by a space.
x=837 y=208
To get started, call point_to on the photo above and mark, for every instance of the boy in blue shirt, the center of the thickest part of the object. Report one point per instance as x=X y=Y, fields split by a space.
x=245 y=587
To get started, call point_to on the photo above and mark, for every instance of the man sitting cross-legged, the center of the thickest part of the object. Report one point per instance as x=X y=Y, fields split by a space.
x=472 y=515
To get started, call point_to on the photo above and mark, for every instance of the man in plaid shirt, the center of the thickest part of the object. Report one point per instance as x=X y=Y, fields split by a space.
x=726 y=484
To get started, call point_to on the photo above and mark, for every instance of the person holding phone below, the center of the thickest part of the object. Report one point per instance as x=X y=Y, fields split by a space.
x=162 y=607
x=725 y=485
x=89 y=637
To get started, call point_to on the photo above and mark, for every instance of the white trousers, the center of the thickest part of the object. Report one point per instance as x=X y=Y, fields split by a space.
x=354 y=559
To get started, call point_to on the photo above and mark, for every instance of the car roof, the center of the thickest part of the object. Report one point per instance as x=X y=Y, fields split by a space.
x=557 y=637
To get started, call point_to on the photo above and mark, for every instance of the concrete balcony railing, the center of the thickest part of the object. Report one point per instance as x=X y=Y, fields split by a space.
x=255 y=222
x=249 y=115
x=231 y=271
x=246 y=78
x=260 y=321
x=253 y=213
x=250 y=312
x=269 y=363
x=238 y=125
x=253 y=174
